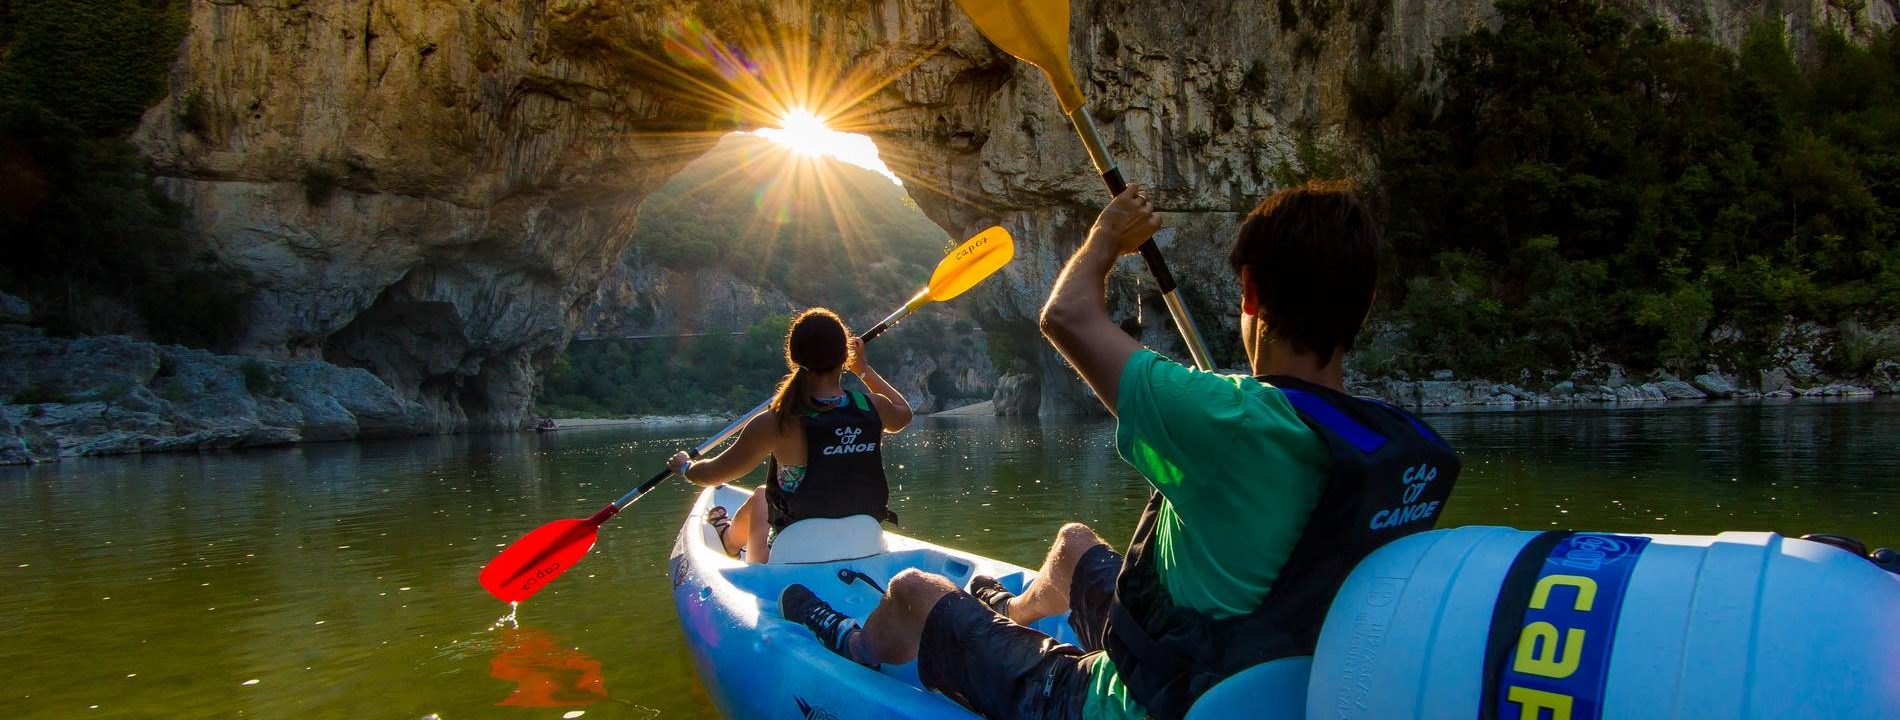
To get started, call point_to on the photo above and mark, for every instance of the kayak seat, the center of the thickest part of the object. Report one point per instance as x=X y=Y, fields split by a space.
x=1269 y=691
x=821 y=540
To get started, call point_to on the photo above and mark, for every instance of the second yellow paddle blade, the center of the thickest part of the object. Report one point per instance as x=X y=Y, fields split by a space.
x=1037 y=31
x=976 y=259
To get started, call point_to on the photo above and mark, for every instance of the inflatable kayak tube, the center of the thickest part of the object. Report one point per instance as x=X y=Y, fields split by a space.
x=1489 y=622
x=756 y=664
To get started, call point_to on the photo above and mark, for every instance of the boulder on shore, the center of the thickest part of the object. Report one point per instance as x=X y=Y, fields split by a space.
x=1716 y=385
x=1776 y=380
x=67 y=397
x=1018 y=394
x=1675 y=389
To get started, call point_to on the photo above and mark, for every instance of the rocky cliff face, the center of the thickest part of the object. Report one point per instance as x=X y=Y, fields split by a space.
x=433 y=190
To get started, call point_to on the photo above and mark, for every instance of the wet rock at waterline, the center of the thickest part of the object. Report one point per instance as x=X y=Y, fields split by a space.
x=68 y=397
x=1675 y=389
x=1716 y=385
x=1616 y=387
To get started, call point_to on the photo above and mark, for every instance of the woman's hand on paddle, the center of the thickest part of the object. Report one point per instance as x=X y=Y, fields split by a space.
x=1127 y=222
x=678 y=461
x=854 y=360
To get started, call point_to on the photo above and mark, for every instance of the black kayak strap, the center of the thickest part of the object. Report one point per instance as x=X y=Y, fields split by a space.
x=1508 y=614
x=1164 y=662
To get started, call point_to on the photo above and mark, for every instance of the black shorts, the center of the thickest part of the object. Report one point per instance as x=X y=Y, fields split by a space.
x=1009 y=672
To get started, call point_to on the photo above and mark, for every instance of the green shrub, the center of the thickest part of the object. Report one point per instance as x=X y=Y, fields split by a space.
x=82 y=224
x=97 y=63
x=195 y=114
x=174 y=392
x=1681 y=317
x=198 y=308
x=1254 y=82
x=1007 y=354
x=257 y=377
x=1566 y=180
x=1196 y=140
x=319 y=182
x=112 y=393
x=41 y=395
x=1857 y=348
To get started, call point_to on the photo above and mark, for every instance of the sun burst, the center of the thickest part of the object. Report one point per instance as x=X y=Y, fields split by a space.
x=806 y=135
x=782 y=78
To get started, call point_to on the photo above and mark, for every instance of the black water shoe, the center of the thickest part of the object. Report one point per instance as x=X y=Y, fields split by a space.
x=990 y=592
x=833 y=628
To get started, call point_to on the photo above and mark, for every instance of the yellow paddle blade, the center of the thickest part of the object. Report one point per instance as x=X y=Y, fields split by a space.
x=977 y=258
x=1035 y=31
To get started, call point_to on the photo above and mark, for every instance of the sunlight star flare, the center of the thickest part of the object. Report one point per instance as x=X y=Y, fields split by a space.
x=805 y=134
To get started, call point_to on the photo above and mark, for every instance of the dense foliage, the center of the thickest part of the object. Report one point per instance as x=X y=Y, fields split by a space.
x=712 y=373
x=87 y=236
x=1566 y=182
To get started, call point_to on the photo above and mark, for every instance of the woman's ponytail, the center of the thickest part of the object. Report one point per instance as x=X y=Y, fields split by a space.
x=815 y=343
x=793 y=398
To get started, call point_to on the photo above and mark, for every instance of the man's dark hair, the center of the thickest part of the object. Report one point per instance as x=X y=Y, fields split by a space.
x=1313 y=254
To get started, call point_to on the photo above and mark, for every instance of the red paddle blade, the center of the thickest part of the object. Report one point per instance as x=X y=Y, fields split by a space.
x=537 y=559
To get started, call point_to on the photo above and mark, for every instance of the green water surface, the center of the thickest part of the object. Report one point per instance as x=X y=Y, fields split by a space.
x=338 y=580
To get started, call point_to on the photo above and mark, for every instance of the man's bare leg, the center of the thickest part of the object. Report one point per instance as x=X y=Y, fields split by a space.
x=896 y=626
x=1048 y=594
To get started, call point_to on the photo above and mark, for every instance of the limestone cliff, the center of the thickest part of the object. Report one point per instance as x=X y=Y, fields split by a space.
x=433 y=190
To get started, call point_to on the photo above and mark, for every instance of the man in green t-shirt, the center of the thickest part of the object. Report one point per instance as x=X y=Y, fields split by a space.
x=1278 y=476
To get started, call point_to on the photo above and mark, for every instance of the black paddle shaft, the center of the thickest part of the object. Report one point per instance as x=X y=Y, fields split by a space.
x=1150 y=252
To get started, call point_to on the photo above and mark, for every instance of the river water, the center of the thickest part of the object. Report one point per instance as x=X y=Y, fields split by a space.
x=333 y=581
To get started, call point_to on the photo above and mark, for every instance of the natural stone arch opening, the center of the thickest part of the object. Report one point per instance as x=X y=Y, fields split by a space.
x=489 y=159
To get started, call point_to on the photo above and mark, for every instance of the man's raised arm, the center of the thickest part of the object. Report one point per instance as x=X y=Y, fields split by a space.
x=1076 y=317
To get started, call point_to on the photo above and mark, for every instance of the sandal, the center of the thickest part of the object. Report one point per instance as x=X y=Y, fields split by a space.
x=720 y=522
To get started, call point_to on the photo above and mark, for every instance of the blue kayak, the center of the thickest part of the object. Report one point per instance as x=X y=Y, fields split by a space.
x=756 y=664
x=1751 y=626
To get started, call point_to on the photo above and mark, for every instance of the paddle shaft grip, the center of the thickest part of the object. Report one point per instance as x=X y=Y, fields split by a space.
x=891 y=321
x=1150 y=252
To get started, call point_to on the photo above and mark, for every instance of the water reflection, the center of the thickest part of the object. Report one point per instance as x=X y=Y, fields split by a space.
x=545 y=672
x=341 y=578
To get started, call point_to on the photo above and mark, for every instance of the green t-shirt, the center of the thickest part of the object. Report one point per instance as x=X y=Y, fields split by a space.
x=1239 y=473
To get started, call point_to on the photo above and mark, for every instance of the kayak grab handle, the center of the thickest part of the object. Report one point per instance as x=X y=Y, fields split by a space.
x=848 y=576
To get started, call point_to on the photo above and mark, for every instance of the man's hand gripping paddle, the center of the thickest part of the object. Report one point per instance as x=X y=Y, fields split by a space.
x=1037 y=32
x=541 y=556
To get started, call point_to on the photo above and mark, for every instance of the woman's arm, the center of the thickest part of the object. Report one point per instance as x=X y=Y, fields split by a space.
x=755 y=442
x=892 y=408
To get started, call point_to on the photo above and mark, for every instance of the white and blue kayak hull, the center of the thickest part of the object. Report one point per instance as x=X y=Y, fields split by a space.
x=1461 y=623
x=756 y=664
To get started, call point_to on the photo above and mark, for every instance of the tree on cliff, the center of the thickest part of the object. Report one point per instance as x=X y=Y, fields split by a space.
x=1566 y=179
x=86 y=234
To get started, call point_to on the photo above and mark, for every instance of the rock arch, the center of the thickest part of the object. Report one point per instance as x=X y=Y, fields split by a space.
x=489 y=158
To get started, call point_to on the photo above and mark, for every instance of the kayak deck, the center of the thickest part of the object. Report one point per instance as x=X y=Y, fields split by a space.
x=757 y=664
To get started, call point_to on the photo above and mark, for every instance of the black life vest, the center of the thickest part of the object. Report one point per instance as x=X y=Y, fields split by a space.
x=1390 y=477
x=844 y=468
